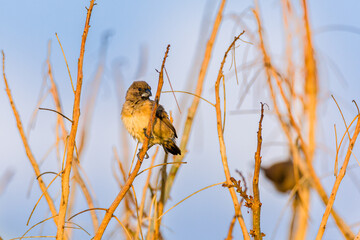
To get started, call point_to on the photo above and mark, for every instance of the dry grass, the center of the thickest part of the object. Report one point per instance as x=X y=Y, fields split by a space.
x=293 y=95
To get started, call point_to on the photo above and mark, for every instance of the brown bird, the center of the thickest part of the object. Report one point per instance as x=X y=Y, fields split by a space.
x=281 y=174
x=136 y=113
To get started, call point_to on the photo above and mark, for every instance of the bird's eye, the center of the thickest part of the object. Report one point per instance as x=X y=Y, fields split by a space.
x=140 y=89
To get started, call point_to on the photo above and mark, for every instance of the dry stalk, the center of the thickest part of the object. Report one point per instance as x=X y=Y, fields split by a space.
x=234 y=198
x=193 y=108
x=67 y=65
x=60 y=121
x=161 y=202
x=58 y=174
x=311 y=87
x=287 y=13
x=89 y=200
x=91 y=98
x=27 y=147
x=137 y=211
x=128 y=199
x=344 y=228
x=338 y=180
x=53 y=90
x=142 y=153
x=152 y=220
x=311 y=83
x=256 y=207
x=42 y=221
x=145 y=189
x=194 y=193
x=65 y=183
x=231 y=228
x=310 y=107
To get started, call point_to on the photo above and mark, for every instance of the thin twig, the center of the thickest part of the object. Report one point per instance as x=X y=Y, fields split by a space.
x=236 y=204
x=137 y=212
x=212 y=185
x=160 y=164
x=145 y=188
x=192 y=95
x=67 y=65
x=27 y=147
x=338 y=180
x=231 y=228
x=52 y=110
x=27 y=223
x=36 y=225
x=172 y=90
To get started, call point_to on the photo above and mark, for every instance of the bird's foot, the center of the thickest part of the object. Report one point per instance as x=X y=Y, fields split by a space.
x=146 y=155
x=149 y=137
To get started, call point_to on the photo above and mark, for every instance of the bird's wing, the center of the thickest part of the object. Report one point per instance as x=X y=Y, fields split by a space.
x=164 y=117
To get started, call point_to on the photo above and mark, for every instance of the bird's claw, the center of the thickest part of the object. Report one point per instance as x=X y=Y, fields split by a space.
x=145 y=157
x=146 y=134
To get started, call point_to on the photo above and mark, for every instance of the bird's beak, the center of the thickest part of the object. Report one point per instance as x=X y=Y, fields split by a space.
x=146 y=94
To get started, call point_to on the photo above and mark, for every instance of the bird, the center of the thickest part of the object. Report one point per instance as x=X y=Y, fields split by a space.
x=136 y=113
x=281 y=174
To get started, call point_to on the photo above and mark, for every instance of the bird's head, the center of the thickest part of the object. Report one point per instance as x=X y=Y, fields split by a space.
x=138 y=90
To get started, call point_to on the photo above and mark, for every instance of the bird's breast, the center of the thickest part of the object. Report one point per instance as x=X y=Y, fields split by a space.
x=135 y=121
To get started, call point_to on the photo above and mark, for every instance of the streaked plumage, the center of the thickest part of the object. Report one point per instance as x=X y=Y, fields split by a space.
x=136 y=113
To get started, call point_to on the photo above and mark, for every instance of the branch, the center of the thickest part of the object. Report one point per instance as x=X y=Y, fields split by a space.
x=338 y=180
x=344 y=228
x=193 y=108
x=256 y=202
x=65 y=183
x=130 y=180
x=237 y=206
x=27 y=147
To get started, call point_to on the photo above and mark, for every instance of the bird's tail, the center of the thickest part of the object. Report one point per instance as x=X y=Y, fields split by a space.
x=170 y=146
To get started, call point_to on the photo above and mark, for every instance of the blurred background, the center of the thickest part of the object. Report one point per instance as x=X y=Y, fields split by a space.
x=126 y=42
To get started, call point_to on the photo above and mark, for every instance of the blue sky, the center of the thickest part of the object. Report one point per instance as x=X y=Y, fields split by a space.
x=141 y=30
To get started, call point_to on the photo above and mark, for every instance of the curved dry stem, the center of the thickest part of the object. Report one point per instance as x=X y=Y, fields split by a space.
x=193 y=94
x=67 y=65
x=338 y=181
x=34 y=237
x=172 y=90
x=234 y=198
x=46 y=173
x=133 y=159
x=160 y=164
x=29 y=154
x=86 y=210
x=27 y=223
x=52 y=110
x=212 y=185
x=78 y=227
x=123 y=226
x=36 y=225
